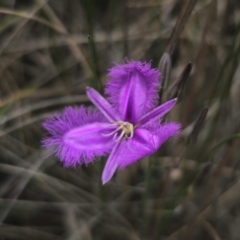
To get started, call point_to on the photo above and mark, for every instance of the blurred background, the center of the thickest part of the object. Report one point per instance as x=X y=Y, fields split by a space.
x=190 y=189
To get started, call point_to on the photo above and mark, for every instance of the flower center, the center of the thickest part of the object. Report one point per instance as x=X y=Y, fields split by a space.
x=127 y=129
x=124 y=130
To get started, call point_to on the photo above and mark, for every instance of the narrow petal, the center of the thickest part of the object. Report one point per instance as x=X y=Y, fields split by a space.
x=111 y=165
x=78 y=135
x=102 y=104
x=133 y=89
x=145 y=143
x=157 y=113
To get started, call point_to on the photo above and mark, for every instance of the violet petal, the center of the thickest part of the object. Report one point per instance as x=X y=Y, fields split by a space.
x=102 y=104
x=78 y=135
x=111 y=164
x=133 y=89
x=157 y=113
x=145 y=143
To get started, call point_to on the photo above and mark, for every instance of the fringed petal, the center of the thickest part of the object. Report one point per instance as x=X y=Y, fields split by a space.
x=132 y=89
x=78 y=135
x=145 y=143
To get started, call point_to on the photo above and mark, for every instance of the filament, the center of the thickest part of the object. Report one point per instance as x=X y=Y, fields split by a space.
x=126 y=128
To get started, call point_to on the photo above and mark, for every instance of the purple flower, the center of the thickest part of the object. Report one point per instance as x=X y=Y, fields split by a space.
x=126 y=125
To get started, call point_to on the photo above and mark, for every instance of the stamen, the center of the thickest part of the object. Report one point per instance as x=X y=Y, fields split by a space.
x=126 y=128
x=131 y=131
x=109 y=125
x=120 y=136
x=111 y=133
x=115 y=137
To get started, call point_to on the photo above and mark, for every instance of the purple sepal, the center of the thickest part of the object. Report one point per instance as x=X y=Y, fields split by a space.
x=102 y=104
x=157 y=113
x=111 y=164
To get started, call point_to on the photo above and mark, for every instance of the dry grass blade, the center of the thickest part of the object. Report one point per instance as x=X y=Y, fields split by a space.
x=179 y=84
x=72 y=44
x=187 y=8
x=196 y=84
x=22 y=185
x=52 y=181
x=100 y=37
x=81 y=229
x=198 y=124
x=231 y=195
x=25 y=123
x=190 y=189
x=21 y=25
x=210 y=229
x=43 y=104
x=187 y=231
x=31 y=17
x=25 y=233
x=164 y=67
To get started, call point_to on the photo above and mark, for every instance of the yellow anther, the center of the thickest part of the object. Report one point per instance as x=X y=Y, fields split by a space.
x=125 y=129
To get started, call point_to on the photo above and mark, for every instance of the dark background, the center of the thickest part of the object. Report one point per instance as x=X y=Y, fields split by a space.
x=47 y=60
